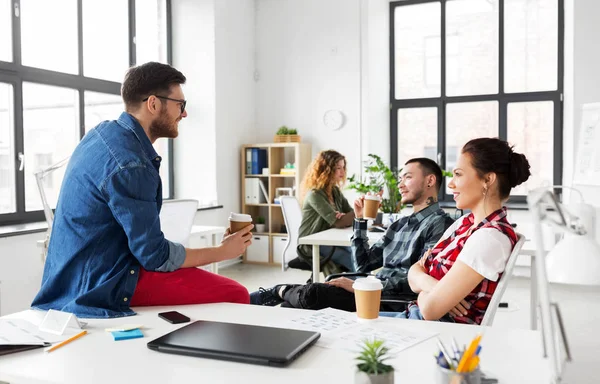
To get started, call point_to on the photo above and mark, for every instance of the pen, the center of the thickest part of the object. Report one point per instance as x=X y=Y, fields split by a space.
x=445 y=353
x=77 y=336
x=456 y=350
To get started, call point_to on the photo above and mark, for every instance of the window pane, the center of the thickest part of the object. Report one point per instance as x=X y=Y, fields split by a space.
x=466 y=121
x=50 y=133
x=530 y=45
x=151 y=31
x=5 y=30
x=105 y=47
x=472 y=47
x=100 y=107
x=417 y=134
x=42 y=33
x=162 y=148
x=417 y=50
x=531 y=131
x=7 y=150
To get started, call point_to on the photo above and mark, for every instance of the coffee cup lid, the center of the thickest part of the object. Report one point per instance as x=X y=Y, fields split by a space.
x=369 y=283
x=373 y=197
x=241 y=217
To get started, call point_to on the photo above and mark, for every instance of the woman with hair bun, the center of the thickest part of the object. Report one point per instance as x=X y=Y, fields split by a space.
x=457 y=278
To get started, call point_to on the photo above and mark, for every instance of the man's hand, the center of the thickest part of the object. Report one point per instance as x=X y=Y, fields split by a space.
x=461 y=309
x=236 y=244
x=342 y=282
x=359 y=204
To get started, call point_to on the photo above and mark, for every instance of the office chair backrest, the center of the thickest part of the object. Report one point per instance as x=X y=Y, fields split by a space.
x=292 y=216
x=490 y=313
x=177 y=218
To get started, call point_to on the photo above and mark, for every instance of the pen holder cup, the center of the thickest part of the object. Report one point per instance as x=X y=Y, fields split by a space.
x=447 y=376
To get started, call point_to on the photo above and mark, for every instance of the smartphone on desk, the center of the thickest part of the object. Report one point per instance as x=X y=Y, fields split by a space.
x=174 y=317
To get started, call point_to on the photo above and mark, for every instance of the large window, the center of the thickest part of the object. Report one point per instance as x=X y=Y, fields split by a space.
x=462 y=69
x=61 y=67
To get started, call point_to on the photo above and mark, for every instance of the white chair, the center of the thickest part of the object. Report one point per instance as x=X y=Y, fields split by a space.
x=490 y=313
x=292 y=216
x=177 y=218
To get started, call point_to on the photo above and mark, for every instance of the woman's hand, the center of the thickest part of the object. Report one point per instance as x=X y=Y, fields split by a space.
x=342 y=282
x=339 y=215
x=461 y=309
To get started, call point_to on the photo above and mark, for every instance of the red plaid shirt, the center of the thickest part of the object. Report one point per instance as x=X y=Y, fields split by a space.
x=438 y=265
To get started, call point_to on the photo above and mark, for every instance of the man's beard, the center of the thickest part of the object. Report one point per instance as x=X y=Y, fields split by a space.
x=416 y=196
x=162 y=127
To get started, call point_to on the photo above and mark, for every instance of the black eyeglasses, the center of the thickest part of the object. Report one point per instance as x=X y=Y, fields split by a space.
x=183 y=102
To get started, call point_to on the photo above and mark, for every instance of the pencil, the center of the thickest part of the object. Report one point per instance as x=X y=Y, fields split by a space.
x=462 y=365
x=77 y=336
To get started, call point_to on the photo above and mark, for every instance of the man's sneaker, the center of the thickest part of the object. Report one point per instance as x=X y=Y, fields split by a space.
x=269 y=297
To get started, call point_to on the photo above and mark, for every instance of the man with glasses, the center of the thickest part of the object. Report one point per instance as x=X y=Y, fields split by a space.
x=107 y=251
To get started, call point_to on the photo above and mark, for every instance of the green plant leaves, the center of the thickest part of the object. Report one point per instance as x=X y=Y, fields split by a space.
x=378 y=176
x=372 y=357
x=283 y=130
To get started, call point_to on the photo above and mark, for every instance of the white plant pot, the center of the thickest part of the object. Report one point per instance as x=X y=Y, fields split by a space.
x=363 y=378
x=260 y=227
x=385 y=219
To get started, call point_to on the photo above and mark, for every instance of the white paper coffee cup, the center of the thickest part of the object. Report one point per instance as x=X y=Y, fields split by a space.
x=367 y=294
x=371 y=206
x=238 y=221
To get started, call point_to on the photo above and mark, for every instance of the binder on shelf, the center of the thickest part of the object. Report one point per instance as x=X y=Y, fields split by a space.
x=259 y=160
x=248 y=161
x=252 y=189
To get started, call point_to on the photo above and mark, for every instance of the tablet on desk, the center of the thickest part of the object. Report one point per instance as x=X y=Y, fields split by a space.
x=237 y=342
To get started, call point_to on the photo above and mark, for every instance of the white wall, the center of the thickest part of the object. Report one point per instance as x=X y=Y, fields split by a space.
x=308 y=60
x=586 y=75
x=194 y=55
x=21 y=271
x=213 y=44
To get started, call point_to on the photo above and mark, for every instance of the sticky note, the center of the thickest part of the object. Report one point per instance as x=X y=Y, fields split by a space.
x=124 y=335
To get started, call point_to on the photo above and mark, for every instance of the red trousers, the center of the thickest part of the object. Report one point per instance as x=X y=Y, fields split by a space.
x=186 y=286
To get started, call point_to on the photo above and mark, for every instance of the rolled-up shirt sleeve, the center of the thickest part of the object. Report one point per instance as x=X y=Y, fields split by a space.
x=176 y=258
x=131 y=196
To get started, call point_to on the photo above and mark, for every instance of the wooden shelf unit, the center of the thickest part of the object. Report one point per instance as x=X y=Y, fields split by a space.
x=278 y=154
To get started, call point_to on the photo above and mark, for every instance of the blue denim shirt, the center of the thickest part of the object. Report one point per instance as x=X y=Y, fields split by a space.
x=106 y=225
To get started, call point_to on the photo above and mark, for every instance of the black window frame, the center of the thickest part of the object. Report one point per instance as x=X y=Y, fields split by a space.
x=501 y=97
x=14 y=73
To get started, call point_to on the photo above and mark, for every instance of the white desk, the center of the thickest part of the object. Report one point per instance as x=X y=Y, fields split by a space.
x=512 y=356
x=335 y=237
x=215 y=234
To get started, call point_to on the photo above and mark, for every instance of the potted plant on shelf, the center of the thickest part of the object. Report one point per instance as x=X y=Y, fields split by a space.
x=378 y=176
x=260 y=224
x=286 y=135
x=371 y=367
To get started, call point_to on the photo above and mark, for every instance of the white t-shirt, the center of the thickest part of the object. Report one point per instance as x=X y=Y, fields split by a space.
x=486 y=251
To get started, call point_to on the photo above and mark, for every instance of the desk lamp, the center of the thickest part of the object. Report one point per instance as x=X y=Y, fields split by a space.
x=39 y=178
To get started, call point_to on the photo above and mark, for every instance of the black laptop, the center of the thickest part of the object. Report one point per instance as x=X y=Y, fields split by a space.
x=237 y=342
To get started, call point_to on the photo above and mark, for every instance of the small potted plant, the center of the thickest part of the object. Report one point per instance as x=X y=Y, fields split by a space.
x=286 y=135
x=371 y=367
x=260 y=224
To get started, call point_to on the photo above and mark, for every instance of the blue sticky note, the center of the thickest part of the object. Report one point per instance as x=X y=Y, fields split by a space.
x=125 y=335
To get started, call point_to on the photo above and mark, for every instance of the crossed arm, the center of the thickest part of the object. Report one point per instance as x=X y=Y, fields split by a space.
x=438 y=297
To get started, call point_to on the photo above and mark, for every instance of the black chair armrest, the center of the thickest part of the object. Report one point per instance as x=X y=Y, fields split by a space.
x=346 y=274
x=400 y=298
